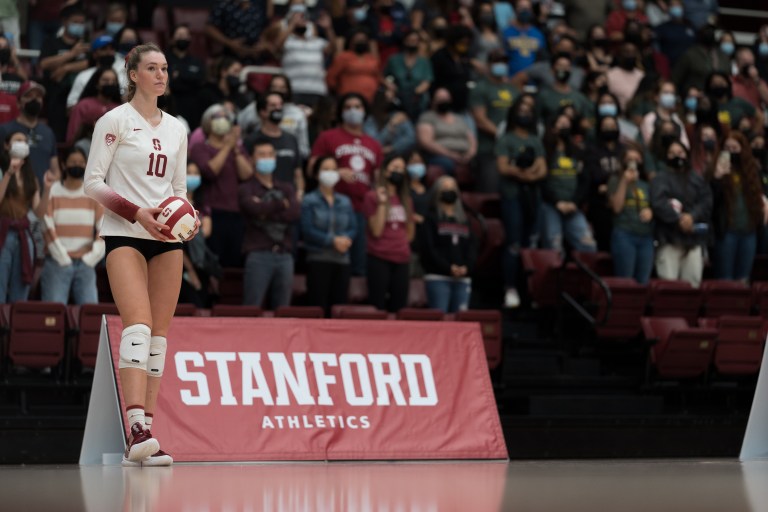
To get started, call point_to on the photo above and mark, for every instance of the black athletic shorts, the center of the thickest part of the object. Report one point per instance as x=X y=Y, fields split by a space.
x=148 y=248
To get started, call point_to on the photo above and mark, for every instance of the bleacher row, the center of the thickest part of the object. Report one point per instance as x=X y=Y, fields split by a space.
x=722 y=325
x=41 y=335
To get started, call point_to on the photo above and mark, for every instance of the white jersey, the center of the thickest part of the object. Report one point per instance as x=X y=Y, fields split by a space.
x=132 y=164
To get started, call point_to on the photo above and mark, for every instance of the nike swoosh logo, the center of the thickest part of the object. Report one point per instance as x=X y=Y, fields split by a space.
x=134 y=344
x=136 y=129
x=153 y=355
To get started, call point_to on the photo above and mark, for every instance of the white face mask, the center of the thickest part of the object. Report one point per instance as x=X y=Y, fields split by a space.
x=19 y=149
x=220 y=126
x=329 y=178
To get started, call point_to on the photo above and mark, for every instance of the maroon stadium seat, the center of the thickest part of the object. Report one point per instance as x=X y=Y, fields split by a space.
x=358 y=312
x=740 y=342
x=185 y=310
x=680 y=351
x=89 y=330
x=299 y=312
x=726 y=298
x=486 y=204
x=628 y=301
x=542 y=267
x=490 y=327
x=670 y=298
x=601 y=263
x=427 y=315
x=231 y=286
x=236 y=310
x=37 y=334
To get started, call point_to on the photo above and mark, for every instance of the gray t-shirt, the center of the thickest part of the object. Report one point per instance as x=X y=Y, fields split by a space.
x=452 y=136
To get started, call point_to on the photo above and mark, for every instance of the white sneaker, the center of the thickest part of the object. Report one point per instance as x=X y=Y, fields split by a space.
x=511 y=298
x=159 y=458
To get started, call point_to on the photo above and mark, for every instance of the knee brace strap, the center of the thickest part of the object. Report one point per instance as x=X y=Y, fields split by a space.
x=156 y=360
x=134 y=346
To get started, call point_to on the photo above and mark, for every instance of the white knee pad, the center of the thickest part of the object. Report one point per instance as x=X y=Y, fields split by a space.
x=156 y=360
x=134 y=346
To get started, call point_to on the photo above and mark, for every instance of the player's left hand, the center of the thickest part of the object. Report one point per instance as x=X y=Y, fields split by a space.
x=197 y=226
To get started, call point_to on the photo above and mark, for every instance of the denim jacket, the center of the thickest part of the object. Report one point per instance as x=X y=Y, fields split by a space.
x=321 y=222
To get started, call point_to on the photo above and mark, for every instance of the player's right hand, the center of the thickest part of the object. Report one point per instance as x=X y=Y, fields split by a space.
x=147 y=217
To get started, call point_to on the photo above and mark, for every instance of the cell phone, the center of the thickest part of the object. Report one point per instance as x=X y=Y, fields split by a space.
x=725 y=156
x=632 y=164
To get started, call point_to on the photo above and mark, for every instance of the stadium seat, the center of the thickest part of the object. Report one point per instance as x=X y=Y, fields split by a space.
x=37 y=334
x=89 y=330
x=102 y=284
x=427 y=315
x=722 y=297
x=357 y=312
x=740 y=342
x=601 y=263
x=231 y=286
x=760 y=268
x=417 y=293
x=433 y=173
x=670 y=298
x=236 y=310
x=490 y=327
x=185 y=310
x=299 y=312
x=5 y=325
x=628 y=301
x=358 y=290
x=680 y=351
x=490 y=249
x=542 y=267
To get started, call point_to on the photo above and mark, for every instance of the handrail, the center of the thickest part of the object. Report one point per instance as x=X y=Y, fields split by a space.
x=567 y=297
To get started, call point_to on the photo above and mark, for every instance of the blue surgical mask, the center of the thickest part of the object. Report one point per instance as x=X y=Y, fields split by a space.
x=691 y=102
x=113 y=27
x=727 y=48
x=361 y=14
x=193 y=182
x=353 y=116
x=76 y=29
x=499 y=69
x=667 y=100
x=266 y=165
x=762 y=49
x=676 y=11
x=629 y=5
x=607 y=110
x=417 y=170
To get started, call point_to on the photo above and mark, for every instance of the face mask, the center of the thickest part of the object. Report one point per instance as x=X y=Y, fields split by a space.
x=385 y=9
x=360 y=48
x=417 y=171
x=629 y=5
x=106 y=61
x=735 y=159
x=720 y=91
x=19 y=149
x=233 y=82
x=193 y=182
x=707 y=37
x=562 y=75
x=600 y=43
x=110 y=91
x=353 y=116
x=607 y=110
x=708 y=144
x=113 y=27
x=300 y=30
x=667 y=139
x=276 y=116
x=676 y=11
x=182 y=44
x=439 y=32
x=220 y=126
x=396 y=178
x=499 y=69
x=691 y=102
x=525 y=16
x=329 y=178
x=524 y=121
x=411 y=48
x=667 y=100
x=677 y=162
x=627 y=63
x=76 y=30
x=448 y=196
x=33 y=108
x=762 y=49
x=76 y=171
x=126 y=47
x=443 y=107
x=266 y=165
x=727 y=48
x=487 y=20
x=564 y=133
x=759 y=154
x=361 y=14
x=603 y=89
x=610 y=135
x=5 y=56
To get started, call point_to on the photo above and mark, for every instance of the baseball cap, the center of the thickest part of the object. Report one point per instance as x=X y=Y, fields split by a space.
x=100 y=42
x=28 y=86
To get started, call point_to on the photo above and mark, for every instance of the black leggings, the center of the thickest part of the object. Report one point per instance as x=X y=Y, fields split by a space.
x=388 y=284
x=327 y=284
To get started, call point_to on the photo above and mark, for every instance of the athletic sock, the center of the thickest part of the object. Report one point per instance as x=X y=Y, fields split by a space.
x=148 y=420
x=135 y=413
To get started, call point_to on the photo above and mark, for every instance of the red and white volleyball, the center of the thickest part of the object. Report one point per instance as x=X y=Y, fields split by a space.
x=180 y=216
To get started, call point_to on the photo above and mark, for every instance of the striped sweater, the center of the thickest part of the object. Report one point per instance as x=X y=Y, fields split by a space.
x=73 y=218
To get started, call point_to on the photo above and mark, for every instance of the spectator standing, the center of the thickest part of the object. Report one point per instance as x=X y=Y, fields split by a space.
x=356 y=69
x=444 y=135
x=237 y=25
x=102 y=56
x=551 y=100
x=225 y=87
x=389 y=125
x=101 y=94
x=187 y=76
x=452 y=69
x=747 y=83
x=700 y=60
x=411 y=73
x=675 y=36
x=522 y=40
x=625 y=77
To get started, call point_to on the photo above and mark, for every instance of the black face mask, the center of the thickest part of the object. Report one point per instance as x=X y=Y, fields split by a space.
x=627 y=63
x=562 y=75
x=487 y=20
x=759 y=154
x=735 y=159
x=448 y=196
x=745 y=69
x=300 y=30
x=5 y=56
x=233 y=82
x=443 y=107
x=385 y=9
x=76 y=171
x=524 y=121
x=440 y=32
x=635 y=38
x=182 y=44
x=110 y=91
x=721 y=91
x=276 y=116
x=707 y=37
x=360 y=48
x=106 y=61
x=603 y=89
x=396 y=178
x=564 y=133
x=677 y=162
x=411 y=48
x=601 y=43
x=708 y=144
x=33 y=108
x=610 y=135
x=124 y=48
x=667 y=139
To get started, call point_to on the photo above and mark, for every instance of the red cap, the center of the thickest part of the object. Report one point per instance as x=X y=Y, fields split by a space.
x=28 y=86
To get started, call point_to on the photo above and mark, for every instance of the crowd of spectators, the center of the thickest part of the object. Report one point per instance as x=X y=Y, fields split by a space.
x=635 y=127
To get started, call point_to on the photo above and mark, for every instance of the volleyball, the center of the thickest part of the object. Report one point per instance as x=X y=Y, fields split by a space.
x=180 y=216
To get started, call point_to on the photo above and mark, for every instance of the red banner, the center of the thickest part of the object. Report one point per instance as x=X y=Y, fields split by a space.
x=248 y=389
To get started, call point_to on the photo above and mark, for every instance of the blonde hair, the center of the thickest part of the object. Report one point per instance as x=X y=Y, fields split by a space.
x=132 y=64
